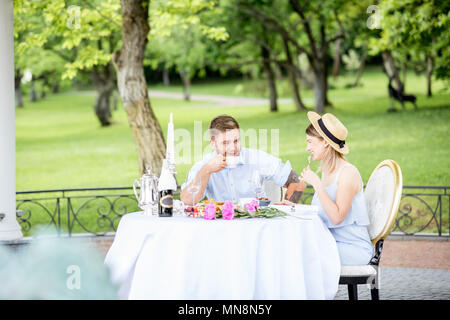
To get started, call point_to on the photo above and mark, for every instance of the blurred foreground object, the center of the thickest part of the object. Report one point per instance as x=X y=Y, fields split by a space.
x=54 y=268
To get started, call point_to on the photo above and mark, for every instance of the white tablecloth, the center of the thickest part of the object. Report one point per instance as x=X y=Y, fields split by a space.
x=188 y=258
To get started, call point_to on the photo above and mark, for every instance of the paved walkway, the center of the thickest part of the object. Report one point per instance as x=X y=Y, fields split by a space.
x=215 y=101
x=410 y=270
x=406 y=284
x=420 y=254
x=221 y=101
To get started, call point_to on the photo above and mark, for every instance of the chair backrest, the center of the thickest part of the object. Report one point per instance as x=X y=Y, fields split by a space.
x=383 y=193
x=272 y=191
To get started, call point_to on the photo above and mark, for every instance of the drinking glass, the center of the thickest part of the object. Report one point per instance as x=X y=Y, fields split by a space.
x=194 y=188
x=155 y=196
x=255 y=182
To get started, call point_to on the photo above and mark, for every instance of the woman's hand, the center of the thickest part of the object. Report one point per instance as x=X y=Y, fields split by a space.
x=310 y=177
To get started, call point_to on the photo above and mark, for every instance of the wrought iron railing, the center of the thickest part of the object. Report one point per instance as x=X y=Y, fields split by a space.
x=92 y=210
x=424 y=209
x=97 y=211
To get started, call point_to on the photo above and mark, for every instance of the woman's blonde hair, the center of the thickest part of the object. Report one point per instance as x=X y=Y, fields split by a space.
x=330 y=157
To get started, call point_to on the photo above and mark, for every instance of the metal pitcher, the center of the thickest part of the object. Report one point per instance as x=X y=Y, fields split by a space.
x=148 y=196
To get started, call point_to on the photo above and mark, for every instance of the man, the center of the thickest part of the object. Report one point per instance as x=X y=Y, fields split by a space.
x=213 y=177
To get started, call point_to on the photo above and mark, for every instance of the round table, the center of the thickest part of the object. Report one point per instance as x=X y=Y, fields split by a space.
x=192 y=258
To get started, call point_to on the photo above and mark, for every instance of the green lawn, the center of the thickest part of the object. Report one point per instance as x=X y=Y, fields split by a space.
x=60 y=144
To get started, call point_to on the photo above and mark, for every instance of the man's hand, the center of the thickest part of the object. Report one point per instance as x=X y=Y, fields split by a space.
x=216 y=164
x=294 y=187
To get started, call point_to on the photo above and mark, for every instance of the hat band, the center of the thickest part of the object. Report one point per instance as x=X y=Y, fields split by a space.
x=330 y=135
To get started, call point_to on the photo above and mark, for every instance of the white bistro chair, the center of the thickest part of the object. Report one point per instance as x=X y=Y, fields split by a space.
x=274 y=192
x=382 y=193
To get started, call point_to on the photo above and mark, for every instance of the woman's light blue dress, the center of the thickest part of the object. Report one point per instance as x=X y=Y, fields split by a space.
x=351 y=235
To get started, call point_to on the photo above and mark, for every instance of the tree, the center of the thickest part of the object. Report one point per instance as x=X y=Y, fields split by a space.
x=183 y=50
x=249 y=48
x=306 y=28
x=82 y=33
x=357 y=31
x=413 y=30
x=256 y=44
x=129 y=59
x=319 y=19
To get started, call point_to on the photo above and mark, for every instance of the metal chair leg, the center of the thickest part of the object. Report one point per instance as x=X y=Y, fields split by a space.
x=374 y=287
x=374 y=294
x=352 y=292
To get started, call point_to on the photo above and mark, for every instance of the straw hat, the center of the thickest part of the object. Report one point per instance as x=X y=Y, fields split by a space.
x=331 y=129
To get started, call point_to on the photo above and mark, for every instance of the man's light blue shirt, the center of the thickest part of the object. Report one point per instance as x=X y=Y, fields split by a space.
x=231 y=184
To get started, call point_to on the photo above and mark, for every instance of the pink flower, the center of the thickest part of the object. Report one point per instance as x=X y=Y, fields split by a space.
x=228 y=210
x=210 y=212
x=252 y=206
x=255 y=204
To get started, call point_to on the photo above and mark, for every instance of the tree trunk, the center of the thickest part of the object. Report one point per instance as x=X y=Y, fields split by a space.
x=320 y=90
x=393 y=74
x=429 y=72
x=327 y=101
x=318 y=62
x=19 y=101
x=55 y=88
x=337 y=57
x=270 y=79
x=33 y=96
x=102 y=106
x=186 y=80
x=319 y=68
x=45 y=84
x=166 y=79
x=115 y=100
x=103 y=79
x=303 y=75
x=295 y=91
x=391 y=70
x=361 y=69
x=277 y=71
x=132 y=85
x=404 y=75
x=18 y=88
x=292 y=78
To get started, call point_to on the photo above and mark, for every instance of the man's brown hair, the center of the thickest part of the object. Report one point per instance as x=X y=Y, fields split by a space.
x=223 y=123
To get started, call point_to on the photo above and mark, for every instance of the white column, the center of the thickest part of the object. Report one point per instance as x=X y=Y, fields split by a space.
x=9 y=227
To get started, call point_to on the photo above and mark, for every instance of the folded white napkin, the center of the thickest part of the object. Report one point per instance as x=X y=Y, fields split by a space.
x=298 y=209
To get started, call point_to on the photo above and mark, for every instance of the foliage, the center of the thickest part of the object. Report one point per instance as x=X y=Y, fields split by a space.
x=179 y=33
x=83 y=33
x=59 y=146
x=59 y=135
x=261 y=212
x=54 y=268
x=351 y=60
x=240 y=213
x=412 y=29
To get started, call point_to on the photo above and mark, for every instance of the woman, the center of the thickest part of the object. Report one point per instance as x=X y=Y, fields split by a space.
x=339 y=194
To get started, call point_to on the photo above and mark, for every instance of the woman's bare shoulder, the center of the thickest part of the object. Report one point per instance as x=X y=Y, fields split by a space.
x=350 y=175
